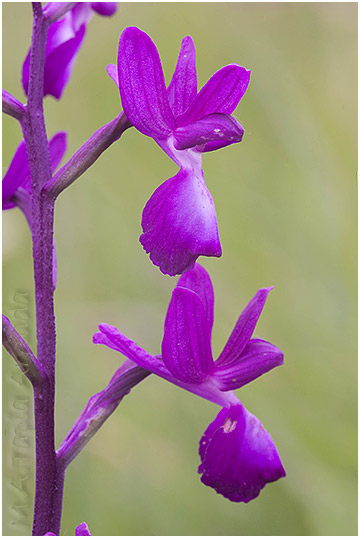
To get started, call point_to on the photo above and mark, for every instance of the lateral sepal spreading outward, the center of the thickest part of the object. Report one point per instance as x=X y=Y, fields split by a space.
x=238 y=456
x=179 y=221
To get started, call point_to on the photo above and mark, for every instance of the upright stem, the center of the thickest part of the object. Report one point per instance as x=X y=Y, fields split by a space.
x=49 y=477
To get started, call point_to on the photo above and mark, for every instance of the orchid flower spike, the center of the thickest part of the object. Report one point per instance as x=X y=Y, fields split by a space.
x=238 y=456
x=64 y=40
x=179 y=220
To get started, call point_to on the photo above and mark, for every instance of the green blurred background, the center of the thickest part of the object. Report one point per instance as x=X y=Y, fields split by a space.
x=286 y=206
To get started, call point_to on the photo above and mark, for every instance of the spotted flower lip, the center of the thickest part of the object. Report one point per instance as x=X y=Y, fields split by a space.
x=185 y=123
x=238 y=466
x=65 y=38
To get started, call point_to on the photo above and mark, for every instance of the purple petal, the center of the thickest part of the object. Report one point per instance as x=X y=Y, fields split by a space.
x=57 y=148
x=221 y=93
x=82 y=530
x=182 y=89
x=17 y=175
x=186 y=346
x=238 y=456
x=198 y=281
x=219 y=127
x=106 y=9
x=142 y=85
x=62 y=47
x=257 y=358
x=81 y=14
x=112 y=71
x=243 y=329
x=179 y=223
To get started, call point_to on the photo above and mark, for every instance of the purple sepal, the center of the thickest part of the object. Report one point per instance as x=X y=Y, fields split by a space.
x=111 y=337
x=214 y=127
x=183 y=86
x=82 y=530
x=186 y=347
x=142 y=85
x=63 y=43
x=238 y=456
x=18 y=173
x=243 y=329
x=179 y=223
x=198 y=281
x=257 y=358
x=221 y=93
x=107 y=9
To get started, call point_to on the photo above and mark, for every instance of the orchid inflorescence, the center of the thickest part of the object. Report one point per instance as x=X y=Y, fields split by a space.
x=238 y=456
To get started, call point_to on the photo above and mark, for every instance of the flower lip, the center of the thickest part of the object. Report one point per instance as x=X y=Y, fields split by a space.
x=238 y=456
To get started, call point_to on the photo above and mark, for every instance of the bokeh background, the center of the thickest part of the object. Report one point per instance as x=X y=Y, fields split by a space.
x=286 y=206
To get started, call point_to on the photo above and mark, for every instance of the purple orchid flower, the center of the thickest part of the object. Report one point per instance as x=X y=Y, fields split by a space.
x=238 y=456
x=179 y=220
x=65 y=38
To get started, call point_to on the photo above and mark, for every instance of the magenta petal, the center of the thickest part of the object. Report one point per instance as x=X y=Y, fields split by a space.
x=106 y=9
x=17 y=175
x=221 y=93
x=179 y=223
x=198 y=281
x=142 y=85
x=63 y=44
x=82 y=530
x=182 y=89
x=243 y=329
x=219 y=127
x=238 y=456
x=57 y=148
x=257 y=358
x=186 y=346
x=60 y=63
